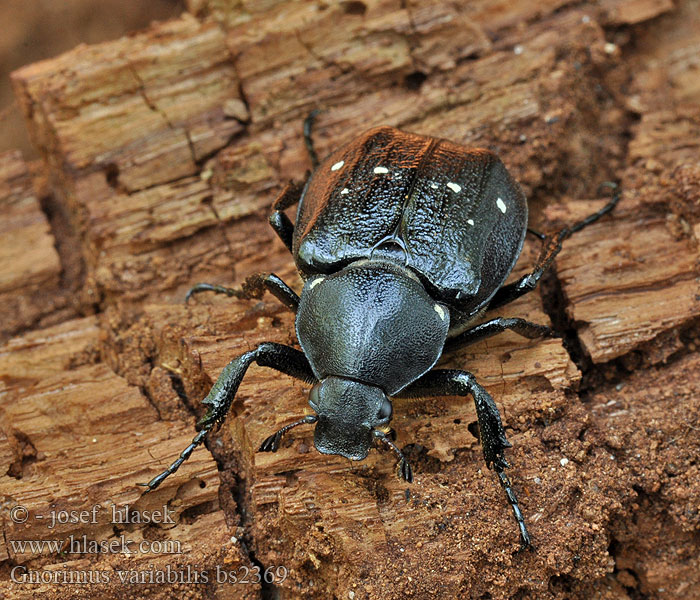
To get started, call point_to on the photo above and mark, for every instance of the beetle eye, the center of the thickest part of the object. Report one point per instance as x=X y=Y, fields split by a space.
x=314 y=397
x=385 y=411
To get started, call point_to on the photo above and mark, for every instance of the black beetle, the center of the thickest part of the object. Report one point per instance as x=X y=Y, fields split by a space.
x=403 y=242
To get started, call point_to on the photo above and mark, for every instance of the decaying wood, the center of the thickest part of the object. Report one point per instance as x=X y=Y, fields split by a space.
x=165 y=150
x=29 y=265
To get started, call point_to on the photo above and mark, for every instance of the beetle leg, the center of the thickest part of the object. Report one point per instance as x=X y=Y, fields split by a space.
x=254 y=287
x=447 y=382
x=404 y=465
x=268 y=354
x=495 y=326
x=552 y=247
x=537 y=234
x=308 y=139
x=291 y=194
x=279 y=221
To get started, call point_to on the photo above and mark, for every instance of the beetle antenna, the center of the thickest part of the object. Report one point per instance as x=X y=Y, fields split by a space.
x=272 y=443
x=404 y=466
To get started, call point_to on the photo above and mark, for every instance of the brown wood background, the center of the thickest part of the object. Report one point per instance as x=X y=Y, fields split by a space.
x=161 y=155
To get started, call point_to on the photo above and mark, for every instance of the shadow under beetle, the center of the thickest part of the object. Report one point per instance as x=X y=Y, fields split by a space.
x=403 y=242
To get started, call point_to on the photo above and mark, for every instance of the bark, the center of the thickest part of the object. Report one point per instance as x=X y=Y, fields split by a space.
x=162 y=154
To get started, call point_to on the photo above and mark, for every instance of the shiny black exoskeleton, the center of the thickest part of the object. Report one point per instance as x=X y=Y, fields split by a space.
x=403 y=242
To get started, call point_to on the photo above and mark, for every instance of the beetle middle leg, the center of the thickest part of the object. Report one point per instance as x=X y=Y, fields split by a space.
x=219 y=399
x=253 y=287
x=448 y=382
x=494 y=327
x=552 y=247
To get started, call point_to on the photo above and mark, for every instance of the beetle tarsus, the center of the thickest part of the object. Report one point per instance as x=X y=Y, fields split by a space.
x=158 y=479
x=603 y=211
x=406 y=470
x=208 y=287
x=525 y=542
x=308 y=138
x=271 y=443
x=253 y=287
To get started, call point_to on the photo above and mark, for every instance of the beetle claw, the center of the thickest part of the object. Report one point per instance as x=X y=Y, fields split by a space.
x=270 y=444
x=501 y=463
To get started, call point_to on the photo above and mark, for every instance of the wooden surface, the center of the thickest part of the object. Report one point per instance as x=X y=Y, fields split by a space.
x=161 y=156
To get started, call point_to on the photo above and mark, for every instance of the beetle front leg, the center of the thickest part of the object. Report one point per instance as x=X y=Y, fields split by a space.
x=268 y=354
x=552 y=247
x=444 y=382
x=253 y=287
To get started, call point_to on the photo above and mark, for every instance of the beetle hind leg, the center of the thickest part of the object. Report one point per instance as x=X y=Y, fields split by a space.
x=254 y=287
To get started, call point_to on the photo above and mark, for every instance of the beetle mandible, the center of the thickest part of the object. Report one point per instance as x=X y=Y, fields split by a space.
x=403 y=242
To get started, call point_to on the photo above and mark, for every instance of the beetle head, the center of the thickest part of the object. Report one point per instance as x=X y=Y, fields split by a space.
x=348 y=411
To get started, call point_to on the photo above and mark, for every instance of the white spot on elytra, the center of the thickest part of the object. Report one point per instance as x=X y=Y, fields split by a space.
x=501 y=205
x=470 y=221
x=440 y=311
x=380 y=170
x=345 y=191
x=455 y=187
x=434 y=186
x=337 y=165
x=315 y=282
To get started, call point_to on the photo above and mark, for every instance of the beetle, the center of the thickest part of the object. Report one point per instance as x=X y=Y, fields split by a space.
x=403 y=242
